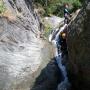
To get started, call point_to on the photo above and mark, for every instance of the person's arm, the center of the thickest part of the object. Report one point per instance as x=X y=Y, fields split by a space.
x=67 y=11
x=61 y=30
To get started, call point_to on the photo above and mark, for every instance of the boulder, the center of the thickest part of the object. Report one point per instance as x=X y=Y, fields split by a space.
x=79 y=49
x=22 y=53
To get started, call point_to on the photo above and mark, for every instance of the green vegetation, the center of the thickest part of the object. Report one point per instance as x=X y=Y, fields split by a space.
x=56 y=6
x=2 y=7
x=47 y=30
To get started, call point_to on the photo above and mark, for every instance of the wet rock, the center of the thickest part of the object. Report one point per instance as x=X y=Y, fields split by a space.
x=49 y=77
x=79 y=49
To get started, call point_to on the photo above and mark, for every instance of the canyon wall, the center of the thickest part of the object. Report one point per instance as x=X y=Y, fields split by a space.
x=79 y=49
x=22 y=53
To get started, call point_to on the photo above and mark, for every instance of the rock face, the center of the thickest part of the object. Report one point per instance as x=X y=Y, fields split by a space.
x=21 y=51
x=54 y=21
x=49 y=77
x=79 y=49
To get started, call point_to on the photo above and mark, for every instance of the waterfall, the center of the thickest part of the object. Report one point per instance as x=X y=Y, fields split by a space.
x=64 y=85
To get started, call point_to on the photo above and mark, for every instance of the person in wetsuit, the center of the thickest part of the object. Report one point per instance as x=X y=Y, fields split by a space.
x=67 y=14
x=61 y=41
x=63 y=44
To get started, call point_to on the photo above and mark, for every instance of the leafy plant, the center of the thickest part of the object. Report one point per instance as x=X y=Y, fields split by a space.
x=2 y=7
x=47 y=30
x=56 y=6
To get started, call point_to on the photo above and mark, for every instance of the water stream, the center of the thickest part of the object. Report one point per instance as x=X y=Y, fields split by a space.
x=64 y=85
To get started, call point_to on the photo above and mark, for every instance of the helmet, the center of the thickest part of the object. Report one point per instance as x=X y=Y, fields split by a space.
x=63 y=35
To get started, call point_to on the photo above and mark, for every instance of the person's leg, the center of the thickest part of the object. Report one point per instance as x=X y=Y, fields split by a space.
x=64 y=48
x=65 y=21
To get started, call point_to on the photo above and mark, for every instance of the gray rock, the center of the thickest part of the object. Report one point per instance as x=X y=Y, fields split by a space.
x=49 y=77
x=79 y=49
x=22 y=54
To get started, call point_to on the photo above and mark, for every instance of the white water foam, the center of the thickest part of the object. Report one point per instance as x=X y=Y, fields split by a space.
x=64 y=85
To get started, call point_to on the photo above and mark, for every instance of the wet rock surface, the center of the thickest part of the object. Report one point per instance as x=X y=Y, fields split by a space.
x=22 y=54
x=79 y=49
x=49 y=77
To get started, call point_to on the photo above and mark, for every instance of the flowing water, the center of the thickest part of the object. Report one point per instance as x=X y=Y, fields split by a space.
x=64 y=85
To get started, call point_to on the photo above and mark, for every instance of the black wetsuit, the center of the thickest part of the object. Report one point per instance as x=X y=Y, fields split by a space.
x=61 y=45
x=66 y=15
x=64 y=47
